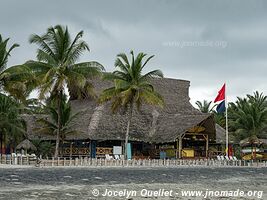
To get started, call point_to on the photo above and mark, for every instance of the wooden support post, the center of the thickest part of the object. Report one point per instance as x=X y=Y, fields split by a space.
x=180 y=147
x=70 y=164
x=70 y=148
x=177 y=149
x=207 y=145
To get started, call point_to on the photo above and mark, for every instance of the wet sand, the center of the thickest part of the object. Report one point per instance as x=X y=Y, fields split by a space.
x=84 y=183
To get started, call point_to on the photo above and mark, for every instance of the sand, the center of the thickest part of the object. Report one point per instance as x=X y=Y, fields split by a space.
x=26 y=182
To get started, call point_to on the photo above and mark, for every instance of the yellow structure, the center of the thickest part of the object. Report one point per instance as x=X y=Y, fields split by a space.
x=188 y=153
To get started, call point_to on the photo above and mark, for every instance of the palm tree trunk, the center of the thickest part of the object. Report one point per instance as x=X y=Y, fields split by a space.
x=1 y=147
x=58 y=123
x=127 y=132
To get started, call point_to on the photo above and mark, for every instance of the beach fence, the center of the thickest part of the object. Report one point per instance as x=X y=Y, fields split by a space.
x=95 y=162
x=13 y=159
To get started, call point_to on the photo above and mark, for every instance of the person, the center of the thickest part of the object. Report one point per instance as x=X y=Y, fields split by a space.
x=38 y=161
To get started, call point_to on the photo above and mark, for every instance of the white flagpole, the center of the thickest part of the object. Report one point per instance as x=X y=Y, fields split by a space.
x=226 y=123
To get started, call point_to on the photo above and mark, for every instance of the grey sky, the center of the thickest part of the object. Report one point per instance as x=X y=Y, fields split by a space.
x=207 y=42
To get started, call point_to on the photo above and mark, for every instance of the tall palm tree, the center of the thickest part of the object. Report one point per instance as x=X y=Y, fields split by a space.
x=131 y=88
x=205 y=106
x=57 y=67
x=4 y=54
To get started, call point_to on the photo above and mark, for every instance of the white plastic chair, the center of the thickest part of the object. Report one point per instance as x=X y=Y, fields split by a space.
x=227 y=158
x=218 y=157
x=108 y=157
x=222 y=158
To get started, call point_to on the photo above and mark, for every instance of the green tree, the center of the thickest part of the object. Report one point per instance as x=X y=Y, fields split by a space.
x=248 y=116
x=131 y=88
x=17 y=81
x=57 y=67
x=205 y=106
x=49 y=125
x=4 y=54
x=12 y=126
x=44 y=148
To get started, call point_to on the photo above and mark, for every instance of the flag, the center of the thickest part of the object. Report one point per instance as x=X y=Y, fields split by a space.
x=221 y=94
x=221 y=107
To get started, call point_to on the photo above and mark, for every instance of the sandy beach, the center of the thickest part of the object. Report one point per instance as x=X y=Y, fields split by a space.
x=131 y=183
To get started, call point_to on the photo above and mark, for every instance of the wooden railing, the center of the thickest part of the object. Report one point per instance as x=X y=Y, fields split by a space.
x=85 y=161
x=103 y=150
x=76 y=151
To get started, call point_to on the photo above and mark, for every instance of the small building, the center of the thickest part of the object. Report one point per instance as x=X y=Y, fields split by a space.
x=178 y=130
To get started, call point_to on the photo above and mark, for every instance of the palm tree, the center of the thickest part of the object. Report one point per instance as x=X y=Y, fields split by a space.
x=50 y=126
x=17 y=81
x=57 y=69
x=4 y=54
x=248 y=119
x=258 y=98
x=131 y=88
x=12 y=126
x=248 y=116
x=205 y=106
x=44 y=148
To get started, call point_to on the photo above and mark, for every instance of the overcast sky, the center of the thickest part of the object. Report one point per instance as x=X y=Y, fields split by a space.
x=207 y=42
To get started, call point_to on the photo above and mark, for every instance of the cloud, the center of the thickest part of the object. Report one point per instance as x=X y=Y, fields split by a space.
x=157 y=27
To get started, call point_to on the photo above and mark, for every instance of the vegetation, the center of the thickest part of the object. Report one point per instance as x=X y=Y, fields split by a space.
x=248 y=117
x=205 y=106
x=49 y=125
x=57 y=69
x=44 y=148
x=57 y=66
x=4 y=54
x=12 y=126
x=131 y=88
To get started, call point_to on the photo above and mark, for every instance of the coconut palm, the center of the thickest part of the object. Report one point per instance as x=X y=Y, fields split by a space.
x=12 y=126
x=131 y=88
x=205 y=106
x=44 y=148
x=57 y=69
x=49 y=125
x=4 y=54
x=17 y=81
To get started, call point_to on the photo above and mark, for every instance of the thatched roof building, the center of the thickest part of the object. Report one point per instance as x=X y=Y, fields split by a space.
x=250 y=141
x=151 y=124
x=26 y=145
